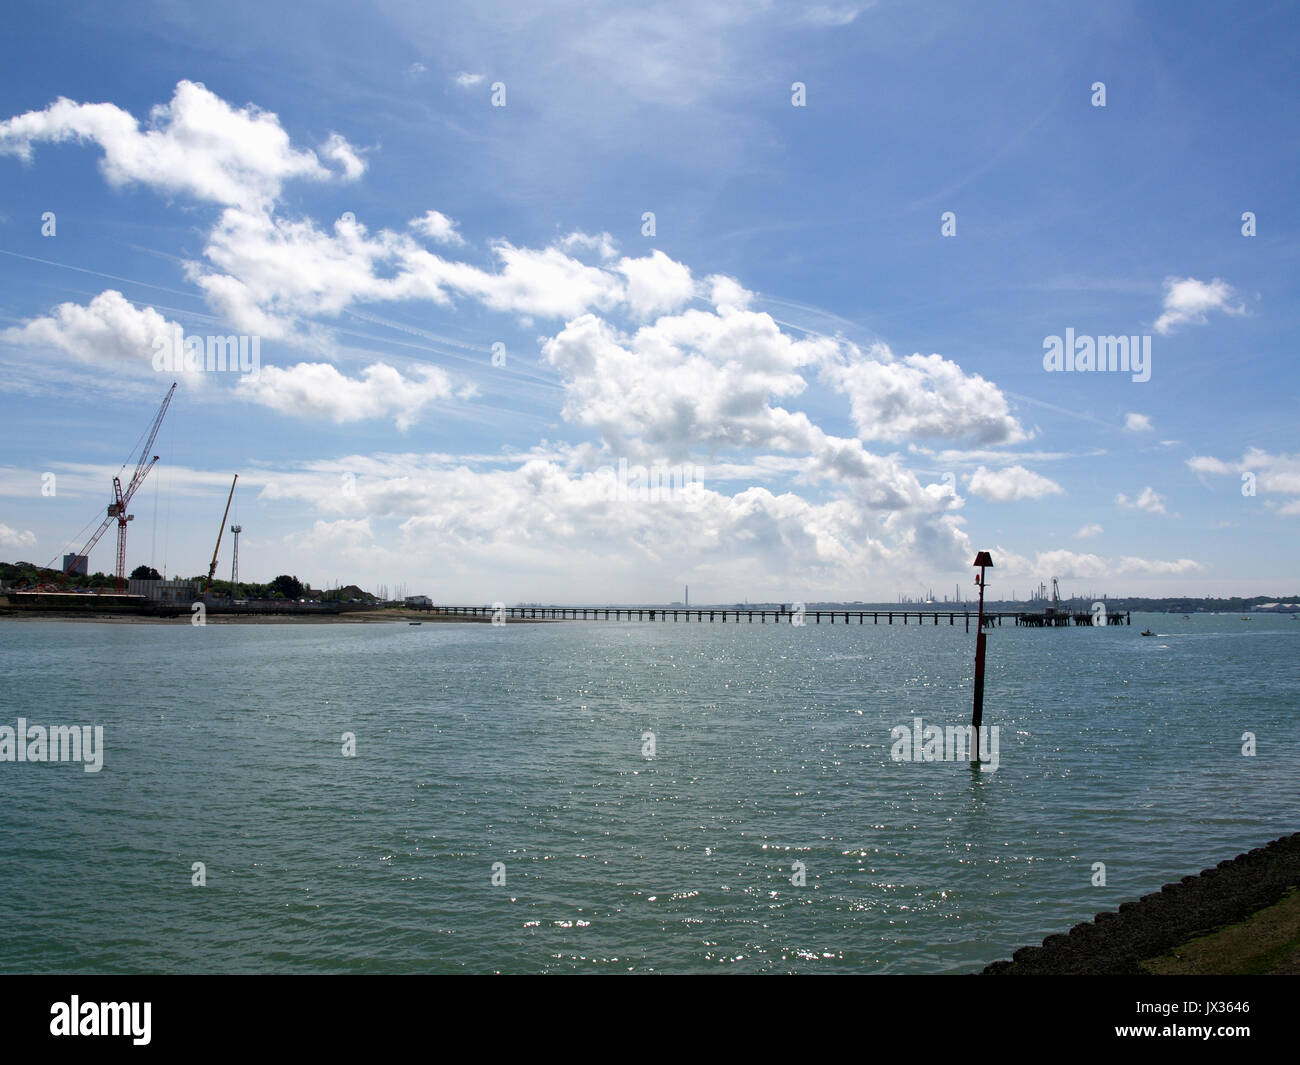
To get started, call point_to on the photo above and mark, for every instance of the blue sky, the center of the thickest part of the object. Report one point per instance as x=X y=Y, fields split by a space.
x=854 y=401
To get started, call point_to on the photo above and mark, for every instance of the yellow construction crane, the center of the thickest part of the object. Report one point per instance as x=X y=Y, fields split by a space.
x=212 y=568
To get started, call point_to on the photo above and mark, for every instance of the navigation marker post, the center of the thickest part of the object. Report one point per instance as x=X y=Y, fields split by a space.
x=982 y=560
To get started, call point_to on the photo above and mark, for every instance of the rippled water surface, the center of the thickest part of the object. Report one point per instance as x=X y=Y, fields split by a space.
x=523 y=745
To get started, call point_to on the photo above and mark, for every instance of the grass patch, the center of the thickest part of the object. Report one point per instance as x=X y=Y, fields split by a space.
x=1266 y=943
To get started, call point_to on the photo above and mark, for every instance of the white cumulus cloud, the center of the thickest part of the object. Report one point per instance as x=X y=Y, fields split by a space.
x=1073 y=565
x=656 y=284
x=319 y=390
x=1188 y=300
x=1148 y=499
x=337 y=149
x=437 y=226
x=197 y=145
x=1011 y=483
x=688 y=381
x=923 y=396
x=109 y=331
x=1269 y=473
x=601 y=243
x=13 y=538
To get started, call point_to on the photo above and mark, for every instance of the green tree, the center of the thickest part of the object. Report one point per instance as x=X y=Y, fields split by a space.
x=145 y=573
x=289 y=587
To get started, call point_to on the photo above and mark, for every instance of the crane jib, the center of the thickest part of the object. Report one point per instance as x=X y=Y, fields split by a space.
x=117 y=509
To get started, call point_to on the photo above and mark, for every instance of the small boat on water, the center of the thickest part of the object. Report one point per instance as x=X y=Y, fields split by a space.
x=1146 y=632
x=415 y=622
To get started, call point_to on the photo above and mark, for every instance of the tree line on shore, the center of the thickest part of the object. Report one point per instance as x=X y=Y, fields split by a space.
x=28 y=575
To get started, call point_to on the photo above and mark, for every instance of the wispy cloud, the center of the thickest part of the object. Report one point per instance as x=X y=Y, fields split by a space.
x=14 y=538
x=1259 y=471
x=834 y=14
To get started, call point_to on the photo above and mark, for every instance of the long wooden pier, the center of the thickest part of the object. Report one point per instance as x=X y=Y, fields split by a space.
x=777 y=616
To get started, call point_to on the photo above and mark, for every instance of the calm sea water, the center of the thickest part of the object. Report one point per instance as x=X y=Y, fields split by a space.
x=524 y=745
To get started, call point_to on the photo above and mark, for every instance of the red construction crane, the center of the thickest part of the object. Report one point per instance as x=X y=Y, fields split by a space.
x=117 y=508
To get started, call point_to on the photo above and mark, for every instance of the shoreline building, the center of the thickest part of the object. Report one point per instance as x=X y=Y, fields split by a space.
x=165 y=591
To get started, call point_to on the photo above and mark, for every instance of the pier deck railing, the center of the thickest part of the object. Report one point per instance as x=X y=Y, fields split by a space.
x=747 y=615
